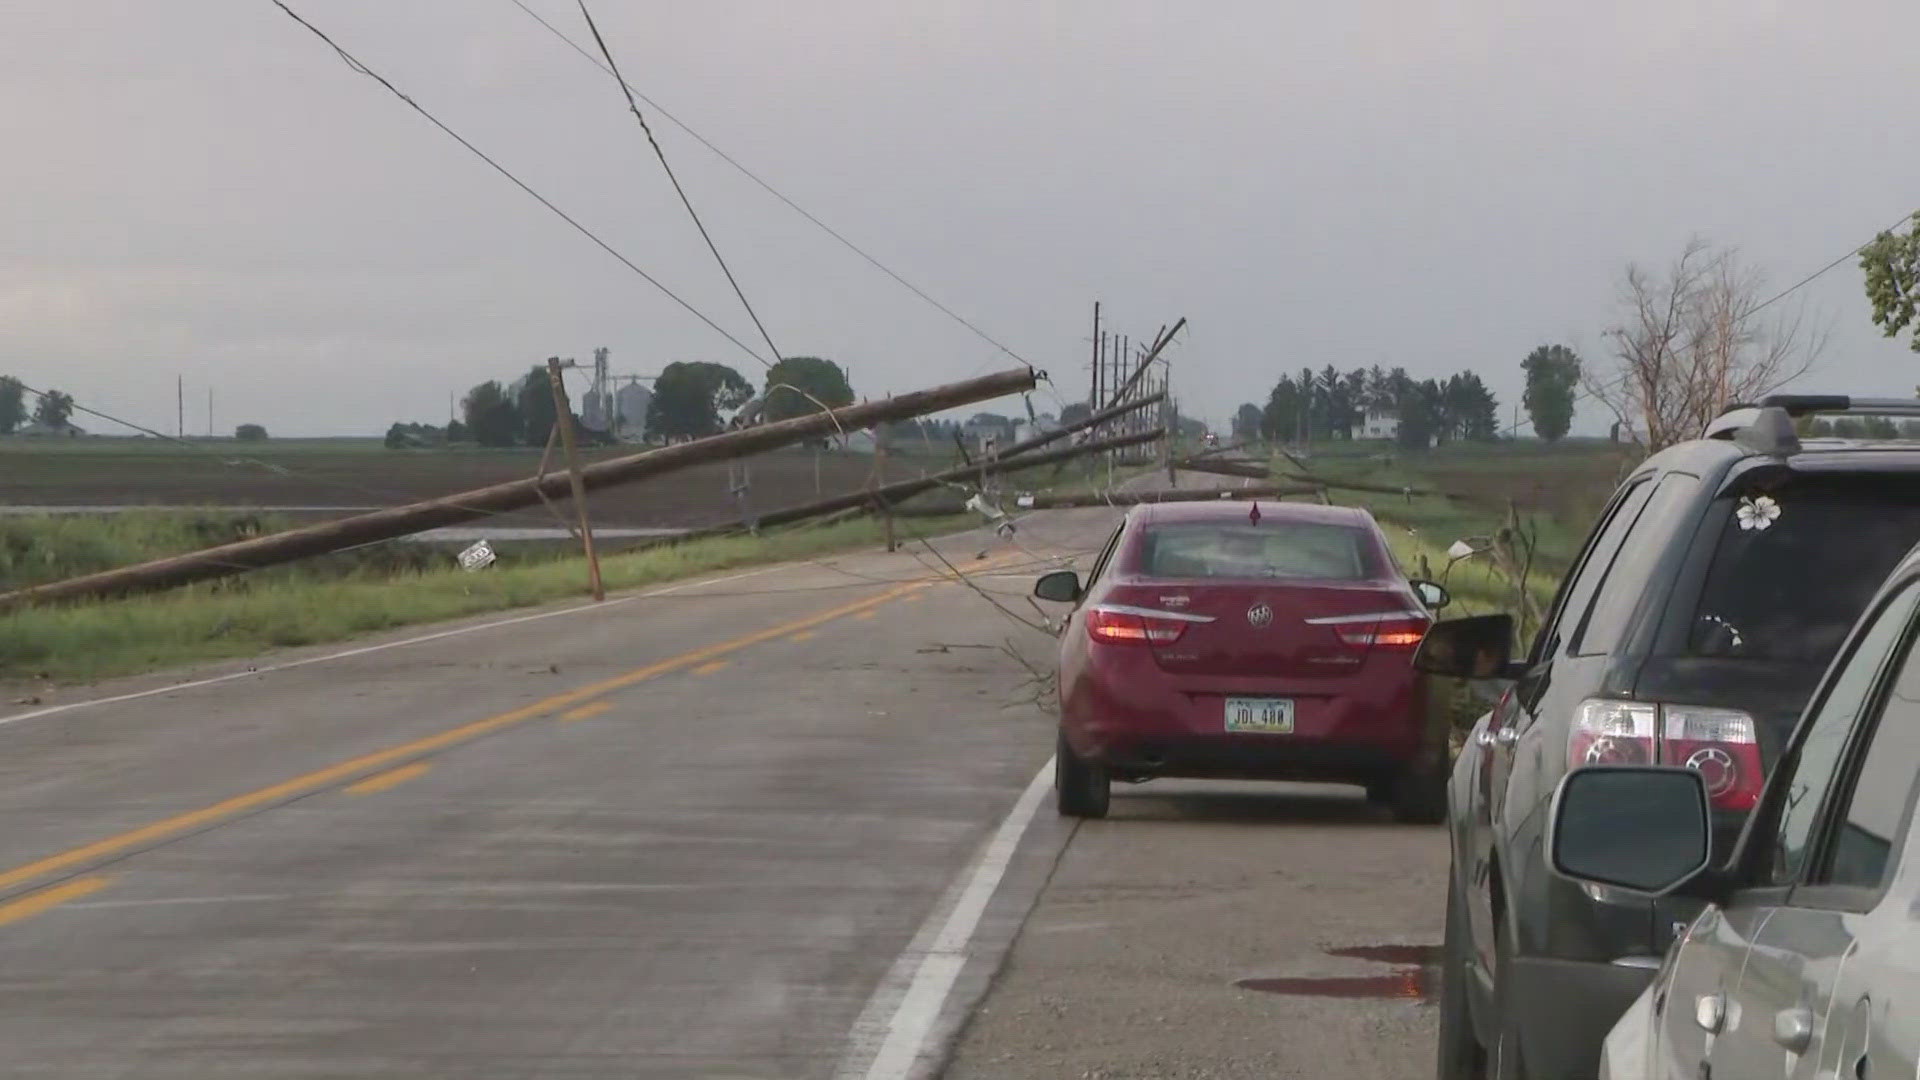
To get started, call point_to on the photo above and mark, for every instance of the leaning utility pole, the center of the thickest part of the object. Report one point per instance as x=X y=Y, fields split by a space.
x=563 y=418
x=282 y=547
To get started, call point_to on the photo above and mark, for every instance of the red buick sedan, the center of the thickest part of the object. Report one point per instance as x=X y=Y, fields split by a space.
x=1250 y=641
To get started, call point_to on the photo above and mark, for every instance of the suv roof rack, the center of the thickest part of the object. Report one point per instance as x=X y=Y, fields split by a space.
x=1764 y=428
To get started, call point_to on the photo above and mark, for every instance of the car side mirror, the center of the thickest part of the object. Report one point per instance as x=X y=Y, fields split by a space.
x=1431 y=593
x=1060 y=586
x=1480 y=647
x=1644 y=828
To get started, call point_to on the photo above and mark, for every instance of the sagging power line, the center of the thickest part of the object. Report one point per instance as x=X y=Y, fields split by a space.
x=355 y=63
x=839 y=237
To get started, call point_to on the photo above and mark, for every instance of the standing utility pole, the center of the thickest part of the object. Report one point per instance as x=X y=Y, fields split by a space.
x=180 y=406
x=209 y=412
x=563 y=416
x=1093 y=399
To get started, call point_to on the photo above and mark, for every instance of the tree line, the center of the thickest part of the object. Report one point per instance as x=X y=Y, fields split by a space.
x=1331 y=404
x=690 y=400
x=54 y=409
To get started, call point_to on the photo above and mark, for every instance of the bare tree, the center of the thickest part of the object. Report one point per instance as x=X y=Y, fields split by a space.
x=1690 y=343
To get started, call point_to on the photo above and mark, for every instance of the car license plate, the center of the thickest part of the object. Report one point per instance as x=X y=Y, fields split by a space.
x=1272 y=716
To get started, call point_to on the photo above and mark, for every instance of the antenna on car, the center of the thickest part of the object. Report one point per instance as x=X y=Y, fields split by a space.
x=1253 y=516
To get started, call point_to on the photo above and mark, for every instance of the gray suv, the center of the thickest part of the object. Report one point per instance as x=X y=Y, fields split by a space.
x=1806 y=960
x=1691 y=630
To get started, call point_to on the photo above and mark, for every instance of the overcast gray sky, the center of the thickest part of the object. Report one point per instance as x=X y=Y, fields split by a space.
x=199 y=187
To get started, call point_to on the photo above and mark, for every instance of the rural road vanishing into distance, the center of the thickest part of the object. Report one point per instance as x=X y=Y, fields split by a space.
x=791 y=822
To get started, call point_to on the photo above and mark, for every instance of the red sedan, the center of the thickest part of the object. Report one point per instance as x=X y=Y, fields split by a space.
x=1232 y=640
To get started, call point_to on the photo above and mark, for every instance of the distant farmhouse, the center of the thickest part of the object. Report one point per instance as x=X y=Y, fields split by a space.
x=38 y=430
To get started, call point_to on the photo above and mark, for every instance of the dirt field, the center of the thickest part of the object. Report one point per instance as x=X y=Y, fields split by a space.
x=351 y=473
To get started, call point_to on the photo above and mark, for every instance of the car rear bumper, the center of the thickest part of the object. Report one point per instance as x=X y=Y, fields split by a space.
x=1248 y=757
x=1566 y=1008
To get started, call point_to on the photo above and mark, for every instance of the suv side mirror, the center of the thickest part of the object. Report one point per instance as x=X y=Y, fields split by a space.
x=1644 y=828
x=1431 y=593
x=1480 y=647
x=1060 y=586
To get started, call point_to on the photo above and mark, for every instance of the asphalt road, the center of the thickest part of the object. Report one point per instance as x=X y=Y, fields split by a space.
x=785 y=823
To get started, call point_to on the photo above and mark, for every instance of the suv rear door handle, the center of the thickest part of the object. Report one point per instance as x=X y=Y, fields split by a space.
x=1793 y=1029
x=1710 y=1011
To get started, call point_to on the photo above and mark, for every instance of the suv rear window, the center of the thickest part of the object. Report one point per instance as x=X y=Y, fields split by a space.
x=1278 y=549
x=1787 y=586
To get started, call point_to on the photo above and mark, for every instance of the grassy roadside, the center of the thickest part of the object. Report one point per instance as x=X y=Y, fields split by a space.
x=216 y=620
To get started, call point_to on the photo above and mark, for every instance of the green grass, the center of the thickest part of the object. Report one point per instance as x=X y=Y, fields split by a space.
x=248 y=615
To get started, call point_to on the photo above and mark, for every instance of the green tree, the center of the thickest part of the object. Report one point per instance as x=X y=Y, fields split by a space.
x=491 y=415
x=250 y=433
x=1248 y=422
x=54 y=410
x=13 y=404
x=819 y=382
x=1552 y=373
x=688 y=399
x=1892 y=266
x=1286 y=410
x=1075 y=412
x=534 y=396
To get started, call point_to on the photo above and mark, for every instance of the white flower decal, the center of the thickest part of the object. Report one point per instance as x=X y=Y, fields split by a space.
x=1757 y=514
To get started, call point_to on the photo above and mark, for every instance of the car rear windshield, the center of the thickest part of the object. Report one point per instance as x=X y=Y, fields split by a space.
x=1792 y=570
x=1272 y=549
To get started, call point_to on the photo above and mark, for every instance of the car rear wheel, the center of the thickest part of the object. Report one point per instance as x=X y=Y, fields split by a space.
x=1420 y=798
x=1461 y=1057
x=1081 y=788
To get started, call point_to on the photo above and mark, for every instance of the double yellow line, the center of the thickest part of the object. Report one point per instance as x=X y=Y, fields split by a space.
x=86 y=855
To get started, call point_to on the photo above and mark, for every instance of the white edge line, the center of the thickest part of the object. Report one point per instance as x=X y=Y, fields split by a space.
x=347 y=654
x=937 y=954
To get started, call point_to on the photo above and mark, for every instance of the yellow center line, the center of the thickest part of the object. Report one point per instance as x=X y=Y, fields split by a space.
x=808 y=635
x=334 y=774
x=710 y=668
x=390 y=778
x=588 y=711
x=36 y=902
x=340 y=772
x=867 y=614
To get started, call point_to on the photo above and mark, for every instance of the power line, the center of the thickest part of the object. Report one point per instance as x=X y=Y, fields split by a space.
x=682 y=192
x=354 y=63
x=769 y=188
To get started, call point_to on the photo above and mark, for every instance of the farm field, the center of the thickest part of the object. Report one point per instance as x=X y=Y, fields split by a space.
x=354 y=474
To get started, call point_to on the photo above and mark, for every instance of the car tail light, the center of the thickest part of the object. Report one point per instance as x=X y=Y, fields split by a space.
x=1391 y=633
x=1719 y=743
x=1122 y=624
x=1392 y=629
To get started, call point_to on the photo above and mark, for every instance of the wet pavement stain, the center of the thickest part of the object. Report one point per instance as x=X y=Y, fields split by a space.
x=1413 y=983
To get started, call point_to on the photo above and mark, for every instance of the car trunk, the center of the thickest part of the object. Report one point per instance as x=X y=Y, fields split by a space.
x=1290 y=631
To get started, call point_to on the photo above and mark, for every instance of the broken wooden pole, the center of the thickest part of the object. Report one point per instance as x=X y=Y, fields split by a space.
x=1236 y=467
x=1067 y=501
x=484 y=502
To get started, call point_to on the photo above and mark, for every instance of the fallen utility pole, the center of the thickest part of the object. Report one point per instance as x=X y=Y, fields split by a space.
x=899 y=491
x=514 y=495
x=1226 y=467
x=1145 y=363
x=1163 y=495
x=1085 y=423
x=1253 y=471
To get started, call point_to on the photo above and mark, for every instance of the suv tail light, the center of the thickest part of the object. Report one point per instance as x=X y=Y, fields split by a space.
x=1123 y=624
x=1718 y=743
